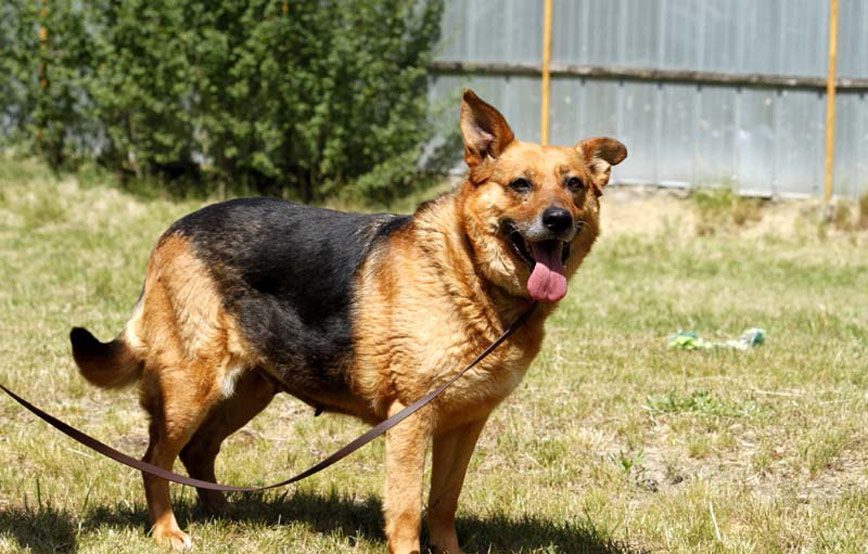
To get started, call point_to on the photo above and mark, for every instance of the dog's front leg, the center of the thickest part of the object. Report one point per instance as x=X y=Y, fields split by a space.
x=405 y=463
x=452 y=451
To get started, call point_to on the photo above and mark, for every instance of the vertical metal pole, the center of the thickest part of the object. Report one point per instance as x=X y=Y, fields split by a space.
x=42 y=73
x=830 y=99
x=43 y=43
x=546 y=76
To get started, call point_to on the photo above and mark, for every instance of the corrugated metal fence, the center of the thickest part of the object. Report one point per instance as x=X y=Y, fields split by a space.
x=703 y=92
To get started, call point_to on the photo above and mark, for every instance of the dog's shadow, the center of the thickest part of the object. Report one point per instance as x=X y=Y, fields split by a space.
x=49 y=530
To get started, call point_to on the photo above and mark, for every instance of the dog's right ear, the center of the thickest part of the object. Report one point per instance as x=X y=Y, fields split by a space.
x=485 y=131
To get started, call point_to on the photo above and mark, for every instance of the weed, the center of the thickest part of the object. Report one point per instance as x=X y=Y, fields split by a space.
x=549 y=451
x=821 y=449
x=700 y=402
x=862 y=220
x=628 y=461
x=34 y=207
x=718 y=210
x=841 y=216
x=699 y=446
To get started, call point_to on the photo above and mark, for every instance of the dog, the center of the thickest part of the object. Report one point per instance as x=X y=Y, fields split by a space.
x=357 y=314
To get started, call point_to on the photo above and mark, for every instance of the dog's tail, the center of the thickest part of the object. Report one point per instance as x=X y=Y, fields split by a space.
x=108 y=365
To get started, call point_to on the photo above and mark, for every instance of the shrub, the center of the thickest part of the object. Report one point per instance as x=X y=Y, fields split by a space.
x=304 y=98
x=721 y=209
x=862 y=221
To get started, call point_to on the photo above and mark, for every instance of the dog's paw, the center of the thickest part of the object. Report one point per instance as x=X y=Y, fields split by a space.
x=174 y=538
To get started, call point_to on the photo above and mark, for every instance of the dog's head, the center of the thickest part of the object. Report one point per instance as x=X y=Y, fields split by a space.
x=531 y=211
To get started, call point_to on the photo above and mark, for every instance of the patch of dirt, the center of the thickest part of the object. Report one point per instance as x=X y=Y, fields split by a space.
x=646 y=211
x=652 y=210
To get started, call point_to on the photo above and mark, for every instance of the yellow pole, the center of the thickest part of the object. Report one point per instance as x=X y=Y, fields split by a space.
x=830 y=98
x=546 y=76
x=42 y=72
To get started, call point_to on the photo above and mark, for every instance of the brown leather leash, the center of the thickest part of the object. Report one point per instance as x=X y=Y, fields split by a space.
x=338 y=455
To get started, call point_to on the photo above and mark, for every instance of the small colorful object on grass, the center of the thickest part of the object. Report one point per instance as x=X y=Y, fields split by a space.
x=690 y=340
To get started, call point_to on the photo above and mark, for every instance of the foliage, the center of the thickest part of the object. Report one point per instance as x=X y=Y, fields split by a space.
x=862 y=221
x=721 y=209
x=306 y=98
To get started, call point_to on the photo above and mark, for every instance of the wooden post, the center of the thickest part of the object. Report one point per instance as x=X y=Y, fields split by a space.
x=546 y=75
x=830 y=99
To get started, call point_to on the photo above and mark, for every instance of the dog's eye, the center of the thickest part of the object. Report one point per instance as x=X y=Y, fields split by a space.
x=575 y=184
x=520 y=185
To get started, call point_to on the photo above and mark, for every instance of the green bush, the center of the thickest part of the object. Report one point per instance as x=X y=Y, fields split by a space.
x=306 y=98
x=720 y=209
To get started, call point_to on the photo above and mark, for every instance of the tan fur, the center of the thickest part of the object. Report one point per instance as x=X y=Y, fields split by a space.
x=194 y=358
x=442 y=291
x=427 y=300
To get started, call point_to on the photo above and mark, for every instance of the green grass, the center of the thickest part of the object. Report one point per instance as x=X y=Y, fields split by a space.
x=614 y=443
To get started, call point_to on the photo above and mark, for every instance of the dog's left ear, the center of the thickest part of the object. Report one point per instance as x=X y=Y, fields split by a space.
x=601 y=153
x=484 y=129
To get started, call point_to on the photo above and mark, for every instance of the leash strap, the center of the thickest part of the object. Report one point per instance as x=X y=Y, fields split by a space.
x=338 y=455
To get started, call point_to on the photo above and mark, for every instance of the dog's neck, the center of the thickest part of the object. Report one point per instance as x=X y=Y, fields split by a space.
x=453 y=254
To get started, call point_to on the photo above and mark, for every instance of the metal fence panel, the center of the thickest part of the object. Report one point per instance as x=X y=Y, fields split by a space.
x=501 y=30
x=678 y=134
x=851 y=144
x=639 y=123
x=852 y=38
x=716 y=132
x=763 y=140
x=719 y=31
x=754 y=141
x=803 y=37
x=517 y=97
x=800 y=142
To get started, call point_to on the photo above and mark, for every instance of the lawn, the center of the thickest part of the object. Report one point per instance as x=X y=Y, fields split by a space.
x=614 y=443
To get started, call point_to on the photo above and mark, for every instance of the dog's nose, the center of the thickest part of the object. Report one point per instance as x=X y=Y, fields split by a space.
x=557 y=220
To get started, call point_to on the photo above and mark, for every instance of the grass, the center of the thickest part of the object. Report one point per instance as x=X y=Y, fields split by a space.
x=721 y=209
x=614 y=443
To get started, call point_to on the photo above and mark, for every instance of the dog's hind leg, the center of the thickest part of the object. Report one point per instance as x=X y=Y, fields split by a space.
x=450 y=456
x=178 y=402
x=253 y=392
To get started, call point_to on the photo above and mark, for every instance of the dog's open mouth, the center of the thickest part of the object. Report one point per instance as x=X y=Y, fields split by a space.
x=547 y=282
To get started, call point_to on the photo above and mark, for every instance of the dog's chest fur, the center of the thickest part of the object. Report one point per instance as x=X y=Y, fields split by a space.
x=423 y=313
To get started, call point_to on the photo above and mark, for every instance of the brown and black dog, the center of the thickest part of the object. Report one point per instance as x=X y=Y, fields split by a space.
x=358 y=314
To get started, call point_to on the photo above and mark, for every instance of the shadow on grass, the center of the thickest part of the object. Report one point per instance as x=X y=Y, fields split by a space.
x=43 y=530
x=49 y=530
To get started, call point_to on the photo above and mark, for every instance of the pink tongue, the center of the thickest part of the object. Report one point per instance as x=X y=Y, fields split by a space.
x=547 y=283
